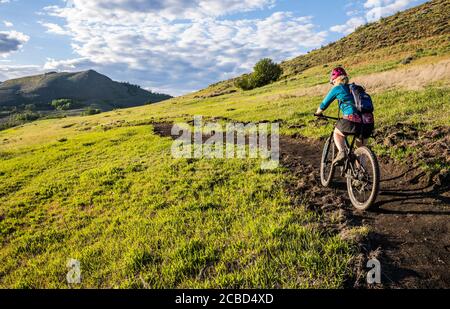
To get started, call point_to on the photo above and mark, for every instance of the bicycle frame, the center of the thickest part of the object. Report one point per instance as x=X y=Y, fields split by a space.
x=350 y=147
x=358 y=177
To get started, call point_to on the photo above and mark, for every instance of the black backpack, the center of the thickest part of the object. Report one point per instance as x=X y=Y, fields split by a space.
x=363 y=101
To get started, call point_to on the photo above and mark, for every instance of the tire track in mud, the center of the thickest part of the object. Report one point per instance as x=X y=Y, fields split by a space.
x=410 y=225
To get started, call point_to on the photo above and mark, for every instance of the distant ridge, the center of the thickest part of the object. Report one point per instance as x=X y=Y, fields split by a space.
x=88 y=87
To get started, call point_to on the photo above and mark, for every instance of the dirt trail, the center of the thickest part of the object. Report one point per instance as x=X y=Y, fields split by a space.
x=410 y=227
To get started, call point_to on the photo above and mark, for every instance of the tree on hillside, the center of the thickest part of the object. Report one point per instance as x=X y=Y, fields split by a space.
x=264 y=72
x=65 y=104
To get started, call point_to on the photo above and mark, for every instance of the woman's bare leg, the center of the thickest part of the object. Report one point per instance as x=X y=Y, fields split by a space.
x=339 y=140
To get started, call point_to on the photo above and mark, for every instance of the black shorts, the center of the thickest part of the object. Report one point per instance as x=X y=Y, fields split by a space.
x=354 y=128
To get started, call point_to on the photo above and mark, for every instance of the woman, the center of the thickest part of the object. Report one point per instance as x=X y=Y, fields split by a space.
x=352 y=122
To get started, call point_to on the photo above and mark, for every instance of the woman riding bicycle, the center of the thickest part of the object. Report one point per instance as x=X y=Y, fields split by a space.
x=352 y=122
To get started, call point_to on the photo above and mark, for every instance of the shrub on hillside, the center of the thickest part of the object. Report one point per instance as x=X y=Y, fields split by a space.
x=18 y=119
x=27 y=116
x=65 y=104
x=91 y=111
x=407 y=60
x=244 y=82
x=30 y=107
x=265 y=72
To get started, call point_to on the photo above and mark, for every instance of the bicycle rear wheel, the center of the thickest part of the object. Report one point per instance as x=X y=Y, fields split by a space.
x=363 y=184
x=326 y=164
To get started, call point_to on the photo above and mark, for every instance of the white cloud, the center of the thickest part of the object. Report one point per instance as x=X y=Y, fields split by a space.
x=381 y=8
x=178 y=45
x=16 y=71
x=4 y=1
x=54 y=28
x=170 y=9
x=8 y=24
x=68 y=65
x=11 y=41
x=373 y=10
x=353 y=13
x=349 y=26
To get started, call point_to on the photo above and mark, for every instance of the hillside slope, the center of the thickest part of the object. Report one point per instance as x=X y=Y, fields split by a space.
x=427 y=20
x=420 y=31
x=88 y=87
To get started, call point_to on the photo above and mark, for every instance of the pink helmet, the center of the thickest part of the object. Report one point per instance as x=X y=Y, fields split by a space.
x=339 y=71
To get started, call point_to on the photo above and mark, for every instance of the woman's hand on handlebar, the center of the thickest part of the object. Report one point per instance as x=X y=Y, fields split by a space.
x=319 y=112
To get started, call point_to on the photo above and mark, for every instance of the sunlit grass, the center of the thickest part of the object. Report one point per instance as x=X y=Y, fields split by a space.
x=135 y=217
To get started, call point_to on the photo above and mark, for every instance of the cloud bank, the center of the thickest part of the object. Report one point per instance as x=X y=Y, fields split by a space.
x=177 y=46
x=11 y=41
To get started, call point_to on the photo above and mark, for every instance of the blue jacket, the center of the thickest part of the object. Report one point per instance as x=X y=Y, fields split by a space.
x=344 y=96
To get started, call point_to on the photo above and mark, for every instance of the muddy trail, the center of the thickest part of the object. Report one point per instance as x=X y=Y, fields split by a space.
x=410 y=225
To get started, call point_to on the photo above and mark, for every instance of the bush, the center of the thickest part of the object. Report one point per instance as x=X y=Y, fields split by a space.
x=407 y=60
x=245 y=82
x=18 y=119
x=91 y=111
x=30 y=107
x=265 y=72
x=27 y=116
x=65 y=104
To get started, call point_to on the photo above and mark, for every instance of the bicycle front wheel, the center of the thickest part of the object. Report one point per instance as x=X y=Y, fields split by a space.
x=326 y=164
x=363 y=184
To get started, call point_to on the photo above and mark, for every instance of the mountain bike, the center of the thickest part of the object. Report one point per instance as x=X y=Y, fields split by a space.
x=361 y=170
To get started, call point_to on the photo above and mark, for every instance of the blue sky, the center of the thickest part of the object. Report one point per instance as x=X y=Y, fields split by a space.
x=173 y=46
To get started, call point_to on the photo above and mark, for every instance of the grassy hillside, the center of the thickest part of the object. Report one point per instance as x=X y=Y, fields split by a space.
x=105 y=190
x=427 y=20
x=404 y=36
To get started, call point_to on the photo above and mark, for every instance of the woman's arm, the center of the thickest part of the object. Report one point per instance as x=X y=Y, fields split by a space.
x=331 y=96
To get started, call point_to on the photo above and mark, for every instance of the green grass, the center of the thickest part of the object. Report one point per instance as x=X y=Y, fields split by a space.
x=146 y=220
x=104 y=190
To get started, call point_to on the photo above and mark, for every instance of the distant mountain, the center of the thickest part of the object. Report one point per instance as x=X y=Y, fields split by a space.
x=89 y=88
